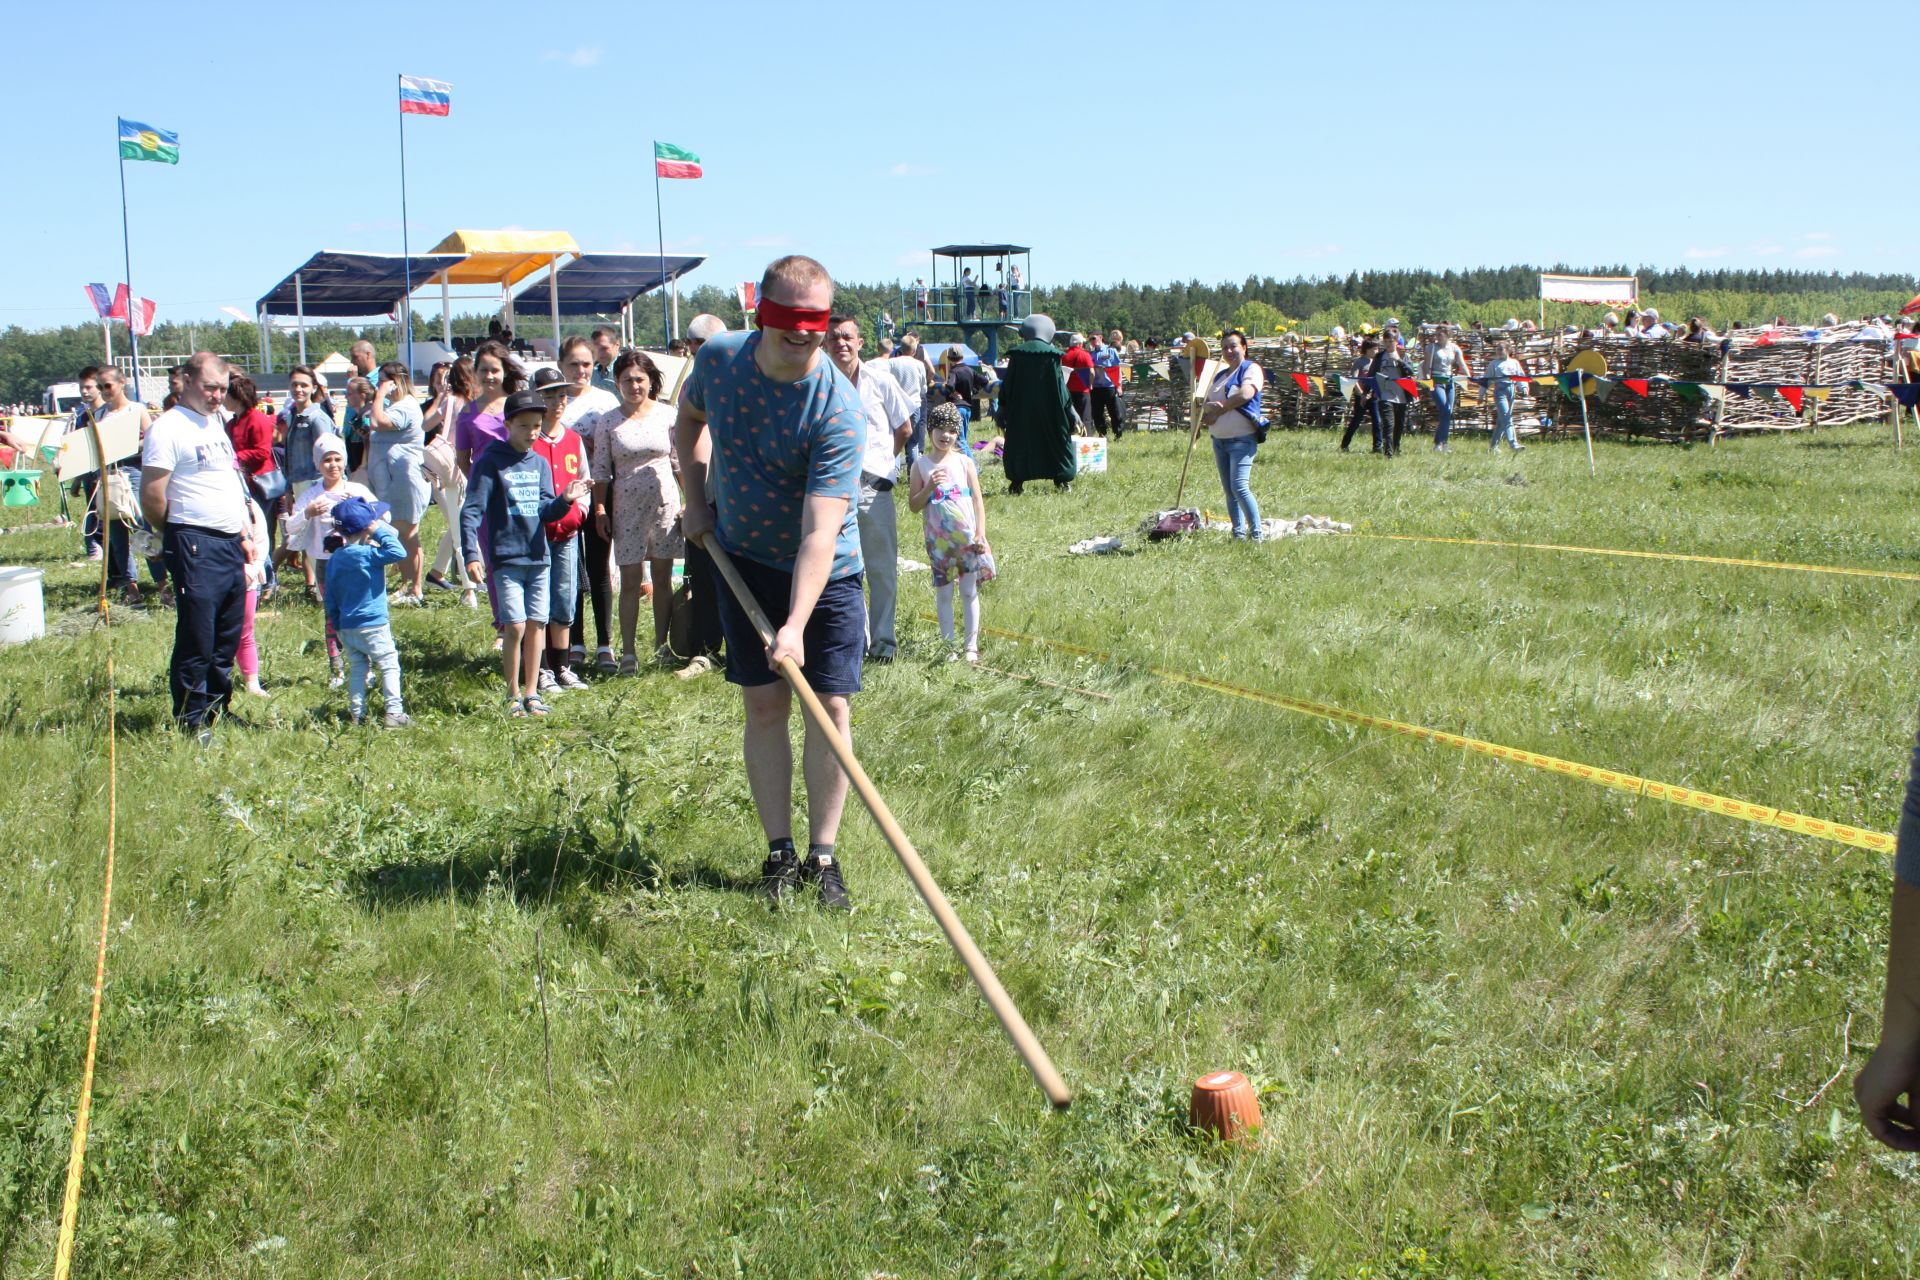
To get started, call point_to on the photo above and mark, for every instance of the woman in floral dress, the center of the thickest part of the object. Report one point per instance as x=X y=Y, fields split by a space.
x=636 y=499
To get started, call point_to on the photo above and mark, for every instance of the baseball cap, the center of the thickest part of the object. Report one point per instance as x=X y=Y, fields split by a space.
x=524 y=401
x=357 y=515
x=549 y=380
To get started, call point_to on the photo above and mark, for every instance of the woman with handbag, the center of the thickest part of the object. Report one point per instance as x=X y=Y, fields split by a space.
x=122 y=488
x=1233 y=418
x=251 y=429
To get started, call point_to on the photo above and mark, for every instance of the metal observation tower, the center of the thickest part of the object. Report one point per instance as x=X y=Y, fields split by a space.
x=975 y=288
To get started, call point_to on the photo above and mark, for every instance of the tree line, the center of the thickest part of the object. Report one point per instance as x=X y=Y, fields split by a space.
x=31 y=359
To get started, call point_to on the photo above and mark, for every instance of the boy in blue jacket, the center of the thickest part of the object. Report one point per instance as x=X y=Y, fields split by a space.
x=510 y=498
x=357 y=603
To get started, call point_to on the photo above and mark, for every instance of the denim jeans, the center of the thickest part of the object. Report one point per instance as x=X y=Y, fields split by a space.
x=371 y=647
x=1444 y=394
x=1503 y=418
x=1235 y=459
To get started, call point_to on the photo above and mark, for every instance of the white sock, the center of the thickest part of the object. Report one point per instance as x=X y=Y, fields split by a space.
x=943 y=603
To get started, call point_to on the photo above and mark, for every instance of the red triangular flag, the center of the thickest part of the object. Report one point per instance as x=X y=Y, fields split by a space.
x=1792 y=395
x=1306 y=387
x=1409 y=386
x=1636 y=385
x=119 y=311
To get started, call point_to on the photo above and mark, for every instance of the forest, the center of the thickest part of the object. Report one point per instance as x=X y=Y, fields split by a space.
x=30 y=359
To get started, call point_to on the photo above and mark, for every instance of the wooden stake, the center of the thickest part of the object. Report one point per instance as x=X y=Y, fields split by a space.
x=1024 y=1041
x=1202 y=383
x=1584 y=425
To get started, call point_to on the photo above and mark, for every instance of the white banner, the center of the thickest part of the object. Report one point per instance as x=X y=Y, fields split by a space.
x=1608 y=290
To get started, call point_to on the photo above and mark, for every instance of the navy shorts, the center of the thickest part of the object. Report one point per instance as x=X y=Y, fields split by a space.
x=835 y=638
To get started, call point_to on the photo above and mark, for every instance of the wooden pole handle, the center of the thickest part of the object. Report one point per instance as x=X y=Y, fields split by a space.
x=1024 y=1041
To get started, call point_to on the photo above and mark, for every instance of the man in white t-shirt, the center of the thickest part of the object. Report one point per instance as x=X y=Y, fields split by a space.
x=909 y=373
x=889 y=423
x=191 y=488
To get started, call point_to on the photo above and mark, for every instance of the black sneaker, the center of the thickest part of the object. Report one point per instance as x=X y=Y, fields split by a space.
x=824 y=870
x=779 y=876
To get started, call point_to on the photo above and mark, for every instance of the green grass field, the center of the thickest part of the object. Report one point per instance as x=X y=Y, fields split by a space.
x=1504 y=1023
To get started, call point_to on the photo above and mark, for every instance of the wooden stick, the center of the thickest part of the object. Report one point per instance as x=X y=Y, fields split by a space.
x=1024 y=1041
x=1582 y=392
x=1200 y=389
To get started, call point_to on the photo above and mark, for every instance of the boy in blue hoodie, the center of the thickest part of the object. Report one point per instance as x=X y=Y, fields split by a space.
x=510 y=498
x=357 y=603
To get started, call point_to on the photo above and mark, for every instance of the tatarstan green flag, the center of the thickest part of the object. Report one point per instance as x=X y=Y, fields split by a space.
x=670 y=161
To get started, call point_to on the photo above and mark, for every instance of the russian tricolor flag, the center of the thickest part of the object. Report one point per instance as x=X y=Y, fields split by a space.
x=422 y=97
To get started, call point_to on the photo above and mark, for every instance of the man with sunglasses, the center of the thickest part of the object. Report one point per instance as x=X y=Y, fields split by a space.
x=776 y=434
x=191 y=488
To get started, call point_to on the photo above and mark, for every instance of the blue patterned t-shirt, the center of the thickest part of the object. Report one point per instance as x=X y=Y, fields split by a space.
x=774 y=444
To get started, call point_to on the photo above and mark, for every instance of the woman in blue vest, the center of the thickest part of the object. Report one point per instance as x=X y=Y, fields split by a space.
x=1233 y=418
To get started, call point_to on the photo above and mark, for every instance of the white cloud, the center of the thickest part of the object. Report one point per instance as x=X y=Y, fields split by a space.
x=1818 y=235
x=1815 y=251
x=1694 y=253
x=584 y=56
x=906 y=170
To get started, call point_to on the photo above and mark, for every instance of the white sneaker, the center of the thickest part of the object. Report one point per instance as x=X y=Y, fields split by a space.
x=470 y=599
x=546 y=683
x=568 y=680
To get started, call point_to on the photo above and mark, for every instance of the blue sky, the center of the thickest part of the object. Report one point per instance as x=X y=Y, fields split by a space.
x=1121 y=141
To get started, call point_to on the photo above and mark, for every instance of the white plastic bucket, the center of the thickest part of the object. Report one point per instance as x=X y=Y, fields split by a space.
x=23 y=610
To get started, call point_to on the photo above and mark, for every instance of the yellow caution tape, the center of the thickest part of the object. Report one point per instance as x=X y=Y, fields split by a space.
x=1648 y=555
x=1688 y=797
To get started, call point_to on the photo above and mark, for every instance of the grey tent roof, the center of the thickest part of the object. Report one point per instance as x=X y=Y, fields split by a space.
x=340 y=284
x=602 y=283
x=978 y=250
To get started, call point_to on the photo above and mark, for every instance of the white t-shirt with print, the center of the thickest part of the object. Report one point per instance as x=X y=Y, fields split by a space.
x=204 y=487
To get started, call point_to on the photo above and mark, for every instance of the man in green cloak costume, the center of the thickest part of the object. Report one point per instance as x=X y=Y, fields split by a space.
x=1033 y=411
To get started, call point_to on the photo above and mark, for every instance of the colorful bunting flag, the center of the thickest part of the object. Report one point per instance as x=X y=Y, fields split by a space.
x=1304 y=383
x=1636 y=385
x=1792 y=395
x=1409 y=386
x=1907 y=393
x=103 y=302
x=1348 y=387
x=1319 y=385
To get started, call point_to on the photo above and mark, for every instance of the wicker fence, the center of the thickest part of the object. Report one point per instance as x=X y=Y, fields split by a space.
x=1828 y=357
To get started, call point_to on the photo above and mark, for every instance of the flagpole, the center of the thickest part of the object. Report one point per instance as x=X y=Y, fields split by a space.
x=126 y=251
x=666 y=324
x=406 y=250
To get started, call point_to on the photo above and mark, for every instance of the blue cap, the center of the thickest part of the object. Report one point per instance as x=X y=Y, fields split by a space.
x=357 y=515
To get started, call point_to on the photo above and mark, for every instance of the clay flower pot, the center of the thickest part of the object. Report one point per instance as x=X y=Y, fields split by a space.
x=1225 y=1106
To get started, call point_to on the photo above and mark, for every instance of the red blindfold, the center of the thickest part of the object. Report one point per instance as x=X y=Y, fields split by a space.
x=771 y=315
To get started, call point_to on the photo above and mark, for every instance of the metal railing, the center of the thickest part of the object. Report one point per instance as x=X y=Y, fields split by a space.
x=952 y=304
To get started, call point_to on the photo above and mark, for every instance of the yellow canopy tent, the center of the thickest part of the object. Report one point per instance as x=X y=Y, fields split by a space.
x=504 y=257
